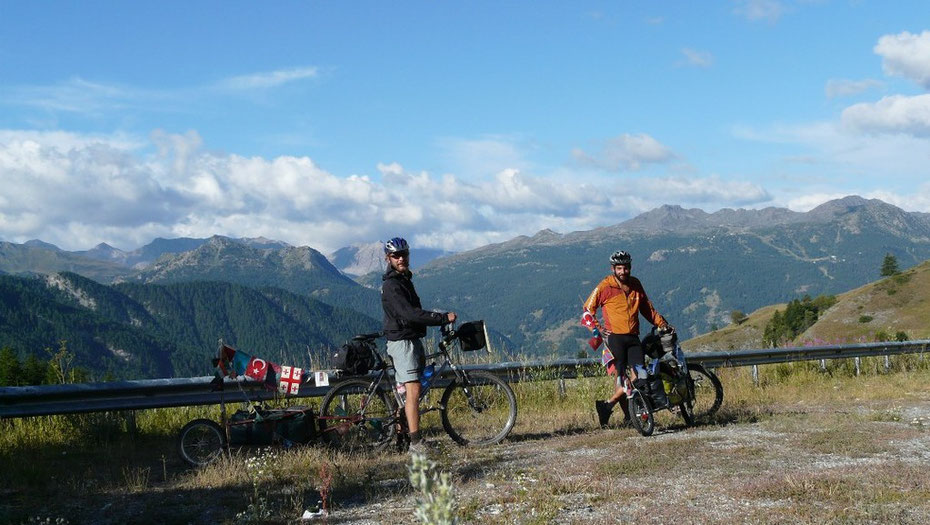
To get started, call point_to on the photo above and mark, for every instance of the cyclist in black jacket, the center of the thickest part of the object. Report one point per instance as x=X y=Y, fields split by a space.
x=405 y=323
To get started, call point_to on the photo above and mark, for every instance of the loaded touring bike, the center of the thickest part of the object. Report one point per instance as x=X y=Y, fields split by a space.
x=672 y=383
x=359 y=413
x=476 y=407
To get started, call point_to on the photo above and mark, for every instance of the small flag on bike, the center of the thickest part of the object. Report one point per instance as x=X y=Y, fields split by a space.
x=290 y=380
x=588 y=320
x=241 y=363
x=257 y=369
x=223 y=362
x=596 y=339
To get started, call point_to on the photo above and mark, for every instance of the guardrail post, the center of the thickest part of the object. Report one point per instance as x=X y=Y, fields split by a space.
x=131 y=422
x=755 y=375
x=887 y=363
x=823 y=365
x=856 y=360
x=562 y=393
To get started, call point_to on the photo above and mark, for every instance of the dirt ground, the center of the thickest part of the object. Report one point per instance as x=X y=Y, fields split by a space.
x=851 y=463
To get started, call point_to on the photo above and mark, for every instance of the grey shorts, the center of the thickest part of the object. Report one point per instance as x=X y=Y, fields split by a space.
x=409 y=359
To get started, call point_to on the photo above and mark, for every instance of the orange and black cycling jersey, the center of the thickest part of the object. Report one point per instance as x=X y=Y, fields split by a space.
x=621 y=309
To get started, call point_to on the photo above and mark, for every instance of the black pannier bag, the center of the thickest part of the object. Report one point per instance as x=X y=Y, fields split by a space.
x=471 y=336
x=243 y=430
x=652 y=346
x=355 y=358
x=296 y=424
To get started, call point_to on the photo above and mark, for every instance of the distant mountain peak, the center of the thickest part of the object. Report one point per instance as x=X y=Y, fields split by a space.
x=844 y=205
x=667 y=217
x=36 y=243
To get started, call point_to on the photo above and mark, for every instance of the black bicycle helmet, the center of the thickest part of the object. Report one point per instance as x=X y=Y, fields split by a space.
x=397 y=244
x=621 y=258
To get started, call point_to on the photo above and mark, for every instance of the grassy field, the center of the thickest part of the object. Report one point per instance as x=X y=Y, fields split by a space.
x=802 y=445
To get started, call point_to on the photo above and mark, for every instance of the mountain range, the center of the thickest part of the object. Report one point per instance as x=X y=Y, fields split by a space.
x=696 y=266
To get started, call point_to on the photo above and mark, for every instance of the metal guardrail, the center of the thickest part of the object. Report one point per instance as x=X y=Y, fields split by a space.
x=161 y=393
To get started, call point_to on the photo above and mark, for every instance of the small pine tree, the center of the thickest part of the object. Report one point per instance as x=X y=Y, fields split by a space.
x=11 y=371
x=889 y=265
x=737 y=316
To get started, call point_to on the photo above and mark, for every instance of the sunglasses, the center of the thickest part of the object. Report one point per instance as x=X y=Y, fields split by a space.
x=399 y=255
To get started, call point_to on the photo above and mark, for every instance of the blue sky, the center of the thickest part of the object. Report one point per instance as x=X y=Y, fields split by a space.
x=453 y=124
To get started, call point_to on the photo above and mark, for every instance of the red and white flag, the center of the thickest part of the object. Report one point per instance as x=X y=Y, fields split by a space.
x=588 y=320
x=257 y=369
x=290 y=380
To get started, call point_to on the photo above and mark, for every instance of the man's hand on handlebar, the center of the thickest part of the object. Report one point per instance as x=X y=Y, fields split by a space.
x=450 y=317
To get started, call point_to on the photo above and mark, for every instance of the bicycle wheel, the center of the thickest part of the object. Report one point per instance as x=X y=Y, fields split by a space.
x=201 y=442
x=352 y=420
x=708 y=391
x=641 y=413
x=480 y=411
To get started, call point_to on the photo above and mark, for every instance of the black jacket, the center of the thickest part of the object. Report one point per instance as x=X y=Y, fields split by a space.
x=404 y=318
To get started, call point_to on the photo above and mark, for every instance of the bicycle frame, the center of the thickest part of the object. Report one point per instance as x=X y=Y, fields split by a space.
x=384 y=379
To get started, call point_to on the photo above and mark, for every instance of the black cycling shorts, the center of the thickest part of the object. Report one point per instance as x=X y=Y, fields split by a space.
x=626 y=349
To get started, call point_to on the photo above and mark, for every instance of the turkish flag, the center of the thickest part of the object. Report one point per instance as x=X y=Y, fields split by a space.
x=588 y=320
x=257 y=369
x=290 y=380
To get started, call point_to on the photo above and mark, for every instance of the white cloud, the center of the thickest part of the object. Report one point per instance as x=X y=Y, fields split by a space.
x=94 y=98
x=906 y=55
x=893 y=114
x=77 y=95
x=626 y=153
x=840 y=87
x=808 y=202
x=713 y=191
x=485 y=156
x=269 y=79
x=694 y=57
x=76 y=191
x=770 y=10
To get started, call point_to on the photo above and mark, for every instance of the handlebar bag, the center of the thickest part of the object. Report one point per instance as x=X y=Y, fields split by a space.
x=471 y=336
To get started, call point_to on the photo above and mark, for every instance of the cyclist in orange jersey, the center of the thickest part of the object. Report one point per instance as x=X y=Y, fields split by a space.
x=621 y=298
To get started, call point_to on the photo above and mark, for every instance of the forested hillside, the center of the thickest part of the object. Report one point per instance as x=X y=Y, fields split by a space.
x=136 y=330
x=890 y=308
x=301 y=270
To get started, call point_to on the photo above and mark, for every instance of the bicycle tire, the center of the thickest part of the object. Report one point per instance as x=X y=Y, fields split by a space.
x=686 y=409
x=480 y=411
x=201 y=442
x=641 y=413
x=350 y=421
x=708 y=391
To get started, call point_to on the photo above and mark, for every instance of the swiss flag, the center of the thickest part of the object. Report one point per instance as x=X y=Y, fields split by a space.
x=588 y=320
x=290 y=380
x=257 y=369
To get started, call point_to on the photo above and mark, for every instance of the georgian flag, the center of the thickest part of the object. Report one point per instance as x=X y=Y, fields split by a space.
x=290 y=380
x=607 y=359
x=257 y=369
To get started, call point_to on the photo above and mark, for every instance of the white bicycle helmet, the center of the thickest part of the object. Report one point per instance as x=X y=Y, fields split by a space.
x=621 y=257
x=397 y=244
